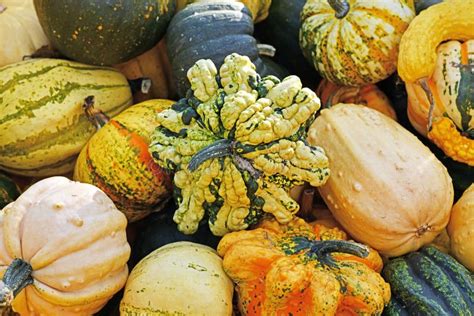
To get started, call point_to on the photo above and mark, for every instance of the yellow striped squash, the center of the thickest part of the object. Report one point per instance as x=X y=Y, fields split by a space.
x=354 y=42
x=42 y=124
x=117 y=161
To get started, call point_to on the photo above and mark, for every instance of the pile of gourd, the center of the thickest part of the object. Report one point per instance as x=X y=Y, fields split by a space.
x=253 y=157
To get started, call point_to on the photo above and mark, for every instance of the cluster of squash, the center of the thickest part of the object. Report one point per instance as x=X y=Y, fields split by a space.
x=224 y=157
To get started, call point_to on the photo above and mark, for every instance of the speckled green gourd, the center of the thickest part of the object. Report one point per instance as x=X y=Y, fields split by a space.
x=236 y=145
x=104 y=32
x=429 y=282
x=9 y=191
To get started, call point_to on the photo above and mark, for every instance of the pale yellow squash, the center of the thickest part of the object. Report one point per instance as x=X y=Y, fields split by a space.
x=386 y=188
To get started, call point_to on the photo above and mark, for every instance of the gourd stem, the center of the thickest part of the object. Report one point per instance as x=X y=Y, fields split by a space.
x=220 y=148
x=341 y=7
x=424 y=84
x=15 y=279
x=266 y=50
x=95 y=116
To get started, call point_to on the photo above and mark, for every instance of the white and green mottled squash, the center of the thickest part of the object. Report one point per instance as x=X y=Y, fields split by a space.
x=181 y=278
x=42 y=123
x=354 y=42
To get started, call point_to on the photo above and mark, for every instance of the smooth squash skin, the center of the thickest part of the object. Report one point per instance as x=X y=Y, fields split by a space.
x=181 y=278
x=386 y=188
x=20 y=31
x=461 y=229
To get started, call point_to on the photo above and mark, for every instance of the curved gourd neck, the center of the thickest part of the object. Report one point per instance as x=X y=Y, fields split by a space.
x=341 y=7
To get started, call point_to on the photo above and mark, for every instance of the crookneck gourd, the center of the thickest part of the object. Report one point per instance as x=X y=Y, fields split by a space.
x=236 y=145
x=303 y=269
x=353 y=42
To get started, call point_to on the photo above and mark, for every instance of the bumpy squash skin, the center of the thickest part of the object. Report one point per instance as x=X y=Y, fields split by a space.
x=117 y=161
x=387 y=189
x=9 y=191
x=181 y=278
x=42 y=123
x=428 y=282
x=461 y=229
x=448 y=20
x=74 y=239
x=275 y=276
x=236 y=146
x=359 y=48
x=104 y=32
x=20 y=31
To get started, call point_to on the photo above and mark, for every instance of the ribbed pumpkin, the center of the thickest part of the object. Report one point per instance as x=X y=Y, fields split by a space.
x=355 y=42
x=369 y=95
x=155 y=65
x=116 y=160
x=20 y=31
x=42 y=123
x=181 y=278
x=428 y=282
x=259 y=8
x=9 y=191
x=452 y=89
x=104 y=32
x=461 y=229
x=63 y=249
x=302 y=269
x=212 y=30
x=386 y=188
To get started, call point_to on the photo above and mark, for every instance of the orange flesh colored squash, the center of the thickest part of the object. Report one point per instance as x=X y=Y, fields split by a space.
x=387 y=189
x=73 y=238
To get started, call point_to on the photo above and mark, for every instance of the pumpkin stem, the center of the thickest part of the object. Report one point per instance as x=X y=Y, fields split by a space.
x=15 y=279
x=266 y=50
x=424 y=84
x=341 y=7
x=95 y=116
x=220 y=148
x=322 y=249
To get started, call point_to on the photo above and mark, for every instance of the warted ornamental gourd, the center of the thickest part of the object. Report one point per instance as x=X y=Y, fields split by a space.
x=236 y=145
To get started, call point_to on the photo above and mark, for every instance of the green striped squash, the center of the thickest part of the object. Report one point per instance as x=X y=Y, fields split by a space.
x=354 y=42
x=429 y=282
x=9 y=191
x=42 y=123
x=117 y=161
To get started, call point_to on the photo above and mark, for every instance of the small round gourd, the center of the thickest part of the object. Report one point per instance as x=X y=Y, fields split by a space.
x=181 y=278
x=63 y=249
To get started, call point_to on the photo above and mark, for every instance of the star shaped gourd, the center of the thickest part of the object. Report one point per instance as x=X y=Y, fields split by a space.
x=236 y=145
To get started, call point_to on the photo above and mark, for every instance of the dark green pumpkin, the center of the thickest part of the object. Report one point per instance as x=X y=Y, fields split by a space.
x=421 y=5
x=9 y=191
x=281 y=30
x=429 y=282
x=212 y=31
x=104 y=32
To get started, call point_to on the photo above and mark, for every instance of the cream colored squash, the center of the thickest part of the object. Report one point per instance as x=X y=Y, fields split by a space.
x=461 y=229
x=181 y=278
x=20 y=31
x=386 y=188
x=73 y=238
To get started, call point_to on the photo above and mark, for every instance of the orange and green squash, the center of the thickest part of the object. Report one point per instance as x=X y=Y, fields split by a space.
x=9 y=190
x=302 y=269
x=428 y=282
x=236 y=146
x=369 y=95
x=353 y=43
x=20 y=31
x=181 y=278
x=386 y=188
x=104 y=32
x=42 y=124
x=63 y=249
x=117 y=161
x=461 y=229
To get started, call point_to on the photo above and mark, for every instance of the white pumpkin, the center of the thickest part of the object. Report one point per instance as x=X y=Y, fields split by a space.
x=20 y=31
